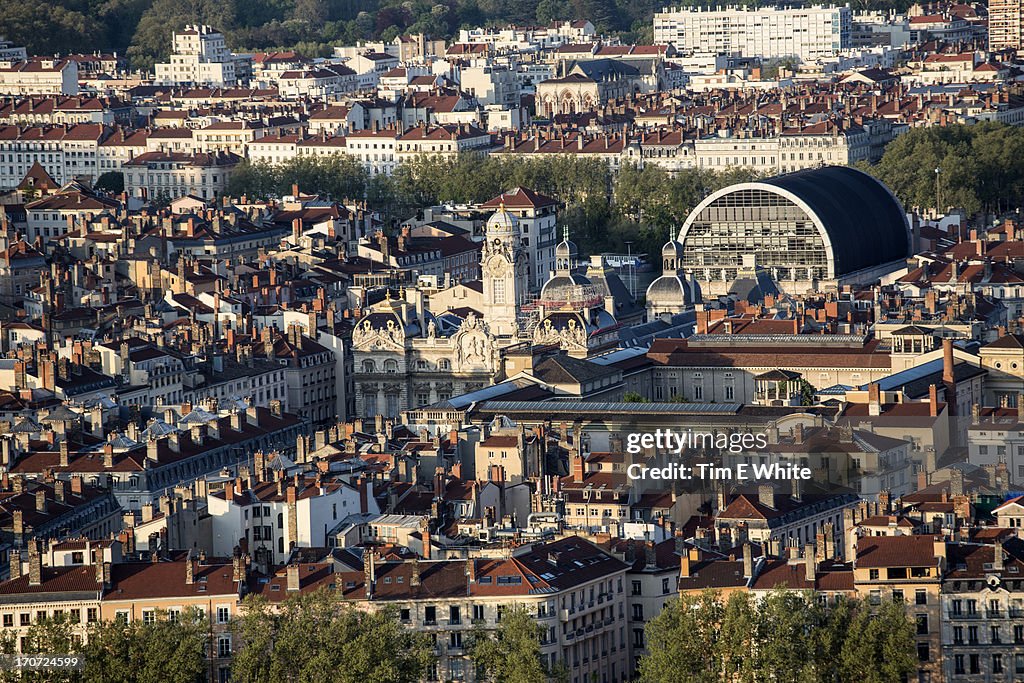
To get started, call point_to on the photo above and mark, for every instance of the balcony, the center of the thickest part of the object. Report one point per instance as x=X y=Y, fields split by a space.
x=1017 y=612
x=995 y=614
x=964 y=615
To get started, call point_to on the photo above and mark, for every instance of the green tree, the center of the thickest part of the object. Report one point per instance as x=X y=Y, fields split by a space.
x=313 y=637
x=512 y=655
x=880 y=645
x=137 y=652
x=683 y=641
x=54 y=635
x=111 y=181
x=633 y=397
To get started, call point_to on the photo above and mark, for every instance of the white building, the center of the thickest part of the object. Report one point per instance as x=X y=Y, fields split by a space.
x=175 y=174
x=39 y=76
x=278 y=515
x=318 y=83
x=201 y=57
x=769 y=32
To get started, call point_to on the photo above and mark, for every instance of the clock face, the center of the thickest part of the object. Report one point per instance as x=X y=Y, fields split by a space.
x=497 y=242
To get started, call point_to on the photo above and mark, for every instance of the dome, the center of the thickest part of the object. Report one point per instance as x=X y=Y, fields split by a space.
x=562 y=288
x=671 y=256
x=848 y=224
x=669 y=290
x=502 y=222
x=565 y=253
x=566 y=250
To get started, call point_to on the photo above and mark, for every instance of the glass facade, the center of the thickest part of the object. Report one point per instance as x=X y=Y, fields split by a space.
x=754 y=227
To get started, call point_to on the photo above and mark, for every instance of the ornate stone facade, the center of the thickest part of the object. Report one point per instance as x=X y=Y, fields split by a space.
x=407 y=357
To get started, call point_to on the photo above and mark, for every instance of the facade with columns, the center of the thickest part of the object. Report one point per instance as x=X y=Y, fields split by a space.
x=405 y=356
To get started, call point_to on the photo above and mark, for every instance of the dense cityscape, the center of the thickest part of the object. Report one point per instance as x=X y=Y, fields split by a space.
x=565 y=342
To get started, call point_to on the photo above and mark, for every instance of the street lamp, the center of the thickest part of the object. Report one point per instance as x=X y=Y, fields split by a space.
x=938 y=201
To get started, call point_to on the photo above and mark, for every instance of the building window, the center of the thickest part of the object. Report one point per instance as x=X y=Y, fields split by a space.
x=224 y=646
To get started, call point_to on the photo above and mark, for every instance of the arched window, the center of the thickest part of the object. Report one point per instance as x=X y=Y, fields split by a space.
x=391 y=366
x=444 y=364
x=368 y=366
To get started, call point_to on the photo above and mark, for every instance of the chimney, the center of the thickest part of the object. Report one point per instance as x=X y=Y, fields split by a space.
x=577 y=468
x=237 y=565
x=293 y=578
x=41 y=501
x=948 y=377
x=766 y=495
x=35 y=563
x=369 y=572
x=874 y=399
x=15 y=563
x=809 y=568
x=933 y=401
x=189 y=570
x=414 y=578
x=748 y=561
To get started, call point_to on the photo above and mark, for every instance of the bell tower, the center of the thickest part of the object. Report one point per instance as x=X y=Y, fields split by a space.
x=505 y=273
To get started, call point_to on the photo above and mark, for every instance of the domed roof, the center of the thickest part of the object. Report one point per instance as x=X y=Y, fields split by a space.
x=566 y=248
x=501 y=221
x=672 y=249
x=669 y=289
x=562 y=288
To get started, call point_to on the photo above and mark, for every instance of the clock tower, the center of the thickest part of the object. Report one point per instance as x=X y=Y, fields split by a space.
x=505 y=273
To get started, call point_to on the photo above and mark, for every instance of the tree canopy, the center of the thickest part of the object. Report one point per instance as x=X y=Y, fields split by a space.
x=118 y=652
x=314 y=638
x=602 y=210
x=785 y=636
x=980 y=167
x=512 y=655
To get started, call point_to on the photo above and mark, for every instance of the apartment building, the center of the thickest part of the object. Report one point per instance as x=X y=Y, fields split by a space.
x=144 y=463
x=808 y=33
x=200 y=57
x=277 y=516
x=909 y=570
x=310 y=372
x=1005 y=24
x=96 y=585
x=576 y=591
x=176 y=174
x=65 y=152
x=982 y=608
x=38 y=76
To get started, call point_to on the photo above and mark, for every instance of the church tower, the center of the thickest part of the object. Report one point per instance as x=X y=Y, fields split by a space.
x=505 y=273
